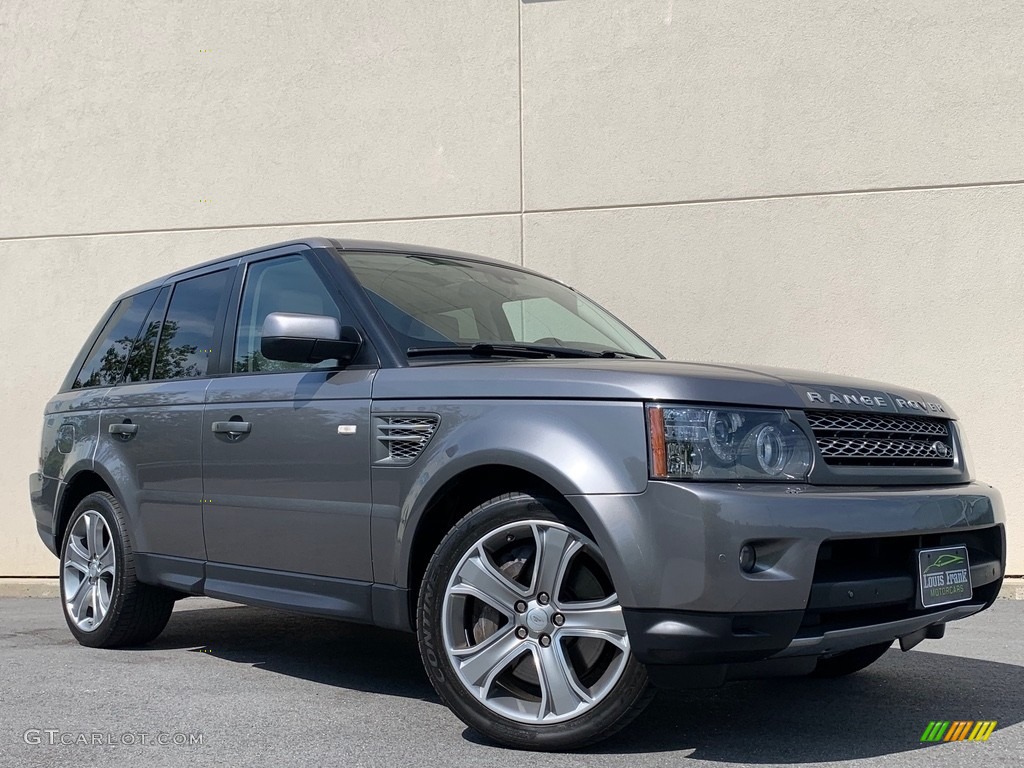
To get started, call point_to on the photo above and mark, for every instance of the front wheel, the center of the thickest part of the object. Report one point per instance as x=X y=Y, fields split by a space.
x=521 y=631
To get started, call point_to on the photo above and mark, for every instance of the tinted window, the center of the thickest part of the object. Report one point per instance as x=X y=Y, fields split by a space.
x=141 y=359
x=287 y=284
x=186 y=338
x=107 y=359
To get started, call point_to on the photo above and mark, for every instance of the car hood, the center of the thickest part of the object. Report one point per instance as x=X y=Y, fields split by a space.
x=662 y=380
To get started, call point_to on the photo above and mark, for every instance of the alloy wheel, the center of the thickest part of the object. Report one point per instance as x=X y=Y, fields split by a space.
x=89 y=569
x=532 y=624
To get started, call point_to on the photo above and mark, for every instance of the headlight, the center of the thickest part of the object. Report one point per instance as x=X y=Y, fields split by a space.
x=966 y=458
x=725 y=444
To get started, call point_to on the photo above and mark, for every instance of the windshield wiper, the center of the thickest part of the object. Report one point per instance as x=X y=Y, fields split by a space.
x=530 y=351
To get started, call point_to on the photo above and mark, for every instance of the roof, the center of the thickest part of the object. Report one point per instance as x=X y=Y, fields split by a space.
x=326 y=242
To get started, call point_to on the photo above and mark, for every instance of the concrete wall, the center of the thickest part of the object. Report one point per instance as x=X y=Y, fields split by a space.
x=835 y=186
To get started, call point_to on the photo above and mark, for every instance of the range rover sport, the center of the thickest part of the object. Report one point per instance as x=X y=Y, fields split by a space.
x=453 y=446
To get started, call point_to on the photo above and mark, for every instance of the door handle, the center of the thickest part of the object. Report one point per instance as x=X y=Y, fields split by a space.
x=231 y=427
x=123 y=430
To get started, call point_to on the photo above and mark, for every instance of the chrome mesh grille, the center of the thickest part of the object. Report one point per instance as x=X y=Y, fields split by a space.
x=405 y=437
x=881 y=440
x=874 y=422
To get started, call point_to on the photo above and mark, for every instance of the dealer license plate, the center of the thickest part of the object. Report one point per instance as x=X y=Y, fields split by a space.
x=945 y=576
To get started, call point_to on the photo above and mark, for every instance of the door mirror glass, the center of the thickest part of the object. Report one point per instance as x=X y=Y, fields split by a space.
x=294 y=338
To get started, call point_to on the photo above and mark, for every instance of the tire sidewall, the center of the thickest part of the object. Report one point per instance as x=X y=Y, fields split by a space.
x=102 y=504
x=592 y=725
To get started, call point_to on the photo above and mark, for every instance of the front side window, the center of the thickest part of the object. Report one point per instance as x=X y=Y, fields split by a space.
x=286 y=284
x=109 y=355
x=186 y=337
x=432 y=301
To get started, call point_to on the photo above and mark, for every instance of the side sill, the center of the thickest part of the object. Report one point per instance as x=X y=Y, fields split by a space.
x=379 y=604
x=315 y=595
x=181 y=574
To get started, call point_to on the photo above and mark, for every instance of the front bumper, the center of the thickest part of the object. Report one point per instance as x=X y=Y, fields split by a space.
x=835 y=565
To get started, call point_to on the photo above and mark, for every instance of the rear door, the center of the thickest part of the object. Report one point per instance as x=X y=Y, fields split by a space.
x=287 y=494
x=149 y=435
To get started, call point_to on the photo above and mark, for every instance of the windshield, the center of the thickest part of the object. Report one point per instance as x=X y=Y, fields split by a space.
x=430 y=301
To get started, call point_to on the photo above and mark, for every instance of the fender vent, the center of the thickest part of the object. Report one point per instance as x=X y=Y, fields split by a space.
x=404 y=437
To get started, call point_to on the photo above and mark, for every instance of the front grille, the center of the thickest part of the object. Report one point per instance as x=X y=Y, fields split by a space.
x=405 y=437
x=881 y=440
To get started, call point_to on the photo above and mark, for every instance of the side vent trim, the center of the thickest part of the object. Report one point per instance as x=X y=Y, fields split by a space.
x=404 y=436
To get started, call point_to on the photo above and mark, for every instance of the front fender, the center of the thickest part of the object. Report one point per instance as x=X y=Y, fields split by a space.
x=577 y=447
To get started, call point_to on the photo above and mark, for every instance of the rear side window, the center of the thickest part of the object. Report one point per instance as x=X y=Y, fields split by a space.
x=140 y=362
x=109 y=355
x=185 y=345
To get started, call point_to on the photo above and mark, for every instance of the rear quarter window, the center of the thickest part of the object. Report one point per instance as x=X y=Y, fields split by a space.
x=108 y=357
x=140 y=362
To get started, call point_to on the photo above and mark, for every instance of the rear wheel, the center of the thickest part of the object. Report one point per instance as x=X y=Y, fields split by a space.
x=848 y=662
x=521 y=631
x=104 y=604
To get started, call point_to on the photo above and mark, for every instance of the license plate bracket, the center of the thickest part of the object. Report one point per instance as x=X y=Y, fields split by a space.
x=944 y=576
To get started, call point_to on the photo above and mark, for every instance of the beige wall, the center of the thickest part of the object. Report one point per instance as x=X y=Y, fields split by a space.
x=835 y=186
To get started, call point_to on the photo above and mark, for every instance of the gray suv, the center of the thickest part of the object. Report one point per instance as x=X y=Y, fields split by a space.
x=436 y=442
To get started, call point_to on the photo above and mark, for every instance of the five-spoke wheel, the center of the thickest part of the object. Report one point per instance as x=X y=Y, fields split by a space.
x=88 y=573
x=532 y=625
x=104 y=604
x=533 y=645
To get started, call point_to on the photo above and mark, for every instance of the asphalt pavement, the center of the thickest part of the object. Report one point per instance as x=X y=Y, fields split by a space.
x=236 y=686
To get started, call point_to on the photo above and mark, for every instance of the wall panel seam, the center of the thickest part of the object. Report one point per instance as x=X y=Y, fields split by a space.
x=522 y=151
x=274 y=225
x=529 y=211
x=782 y=196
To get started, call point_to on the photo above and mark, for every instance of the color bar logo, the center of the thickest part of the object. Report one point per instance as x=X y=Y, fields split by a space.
x=958 y=730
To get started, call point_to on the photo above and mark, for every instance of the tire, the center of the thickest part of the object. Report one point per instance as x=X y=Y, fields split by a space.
x=501 y=635
x=848 y=662
x=105 y=606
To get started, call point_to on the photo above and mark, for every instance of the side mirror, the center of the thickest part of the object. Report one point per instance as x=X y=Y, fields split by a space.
x=295 y=338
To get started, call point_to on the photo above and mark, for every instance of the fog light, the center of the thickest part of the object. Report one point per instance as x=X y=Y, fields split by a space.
x=748 y=559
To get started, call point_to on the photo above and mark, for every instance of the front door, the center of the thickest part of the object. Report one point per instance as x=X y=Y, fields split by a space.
x=286 y=499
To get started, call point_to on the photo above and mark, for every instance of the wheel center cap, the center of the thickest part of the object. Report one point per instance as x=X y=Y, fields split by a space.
x=537 y=619
x=93 y=570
